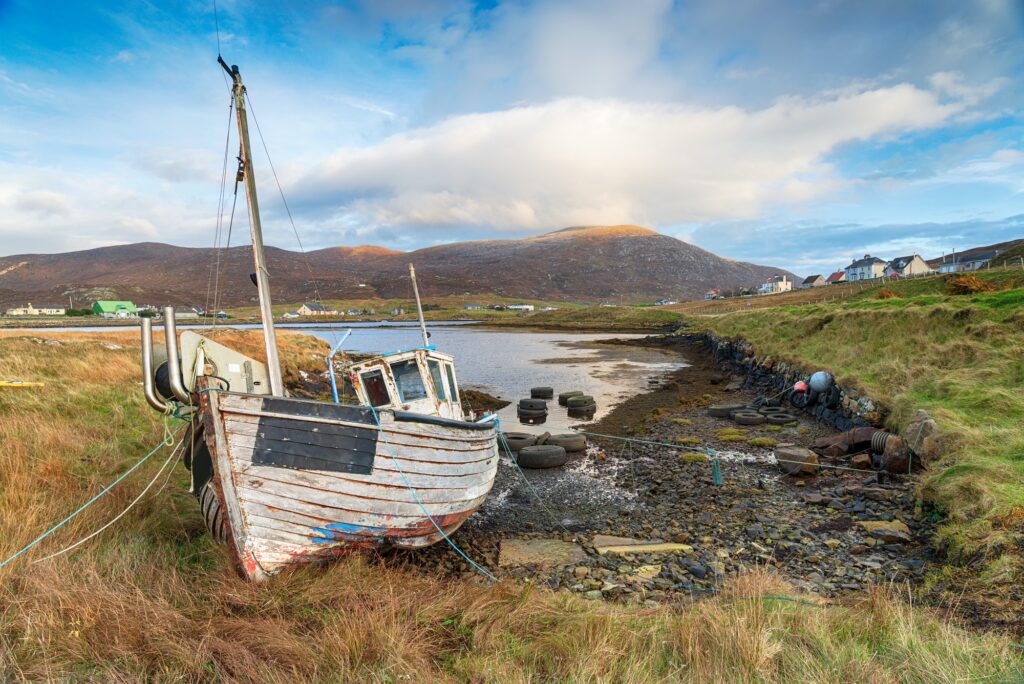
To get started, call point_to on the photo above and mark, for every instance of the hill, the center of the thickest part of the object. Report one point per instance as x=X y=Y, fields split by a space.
x=1001 y=248
x=595 y=263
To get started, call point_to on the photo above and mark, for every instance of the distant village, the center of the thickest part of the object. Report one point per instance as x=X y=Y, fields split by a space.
x=866 y=268
x=111 y=309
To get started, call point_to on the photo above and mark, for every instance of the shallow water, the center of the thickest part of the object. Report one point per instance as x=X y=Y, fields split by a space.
x=507 y=363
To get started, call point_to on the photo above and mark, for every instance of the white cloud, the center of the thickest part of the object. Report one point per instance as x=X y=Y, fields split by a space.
x=42 y=203
x=578 y=161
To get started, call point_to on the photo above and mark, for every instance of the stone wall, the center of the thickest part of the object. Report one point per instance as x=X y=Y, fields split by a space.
x=770 y=376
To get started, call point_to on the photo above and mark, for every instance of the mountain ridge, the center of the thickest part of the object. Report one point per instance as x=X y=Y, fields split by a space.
x=580 y=263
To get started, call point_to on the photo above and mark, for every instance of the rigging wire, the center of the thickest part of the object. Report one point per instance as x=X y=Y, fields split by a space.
x=214 y=278
x=287 y=209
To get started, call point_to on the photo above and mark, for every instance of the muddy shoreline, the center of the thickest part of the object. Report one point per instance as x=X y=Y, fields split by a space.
x=809 y=530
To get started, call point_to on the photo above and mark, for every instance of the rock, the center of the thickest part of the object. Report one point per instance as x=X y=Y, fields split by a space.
x=861 y=461
x=580 y=571
x=892 y=531
x=922 y=437
x=795 y=460
x=539 y=552
x=593 y=595
x=832 y=543
x=647 y=571
x=696 y=569
x=814 y=498
x=858 y=549
x=627 y=545
x=896 y=457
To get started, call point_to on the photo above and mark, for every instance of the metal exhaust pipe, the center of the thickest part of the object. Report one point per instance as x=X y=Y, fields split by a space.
x=173 y=360
x=148 y=386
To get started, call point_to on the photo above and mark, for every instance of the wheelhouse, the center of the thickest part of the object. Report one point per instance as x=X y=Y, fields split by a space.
x=420 y=380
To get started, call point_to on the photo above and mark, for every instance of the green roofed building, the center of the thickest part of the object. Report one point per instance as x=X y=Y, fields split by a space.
x=111 y=309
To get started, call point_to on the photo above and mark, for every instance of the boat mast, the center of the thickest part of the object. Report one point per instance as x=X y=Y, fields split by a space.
x=262 y=276
x=419 y=307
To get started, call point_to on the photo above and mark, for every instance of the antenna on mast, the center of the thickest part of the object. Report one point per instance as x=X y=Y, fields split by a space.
x=419 y=307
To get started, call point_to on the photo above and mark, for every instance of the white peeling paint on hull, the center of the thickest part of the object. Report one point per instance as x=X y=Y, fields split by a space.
x=281 y=516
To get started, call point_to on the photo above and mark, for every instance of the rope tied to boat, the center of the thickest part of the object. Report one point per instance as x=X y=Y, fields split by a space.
x=412 y=490
x=94 y=499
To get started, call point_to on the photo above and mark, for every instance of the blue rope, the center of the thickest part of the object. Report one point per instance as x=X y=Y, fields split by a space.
x=166 y=442
x=515 y=461
x=433 y=522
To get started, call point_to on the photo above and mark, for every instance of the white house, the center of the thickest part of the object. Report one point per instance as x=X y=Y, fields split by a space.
x=775 y=285
x=520 y=307
x=906 y=266
x=316 y=310
x=867 y=268
x=30 y=310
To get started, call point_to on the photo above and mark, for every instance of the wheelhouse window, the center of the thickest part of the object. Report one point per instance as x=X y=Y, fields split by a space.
x=435 y=375
x=409 y=381
x=376 y=388
x=451 y=382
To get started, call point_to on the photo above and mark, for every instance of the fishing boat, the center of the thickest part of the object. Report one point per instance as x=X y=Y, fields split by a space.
x=284 y=481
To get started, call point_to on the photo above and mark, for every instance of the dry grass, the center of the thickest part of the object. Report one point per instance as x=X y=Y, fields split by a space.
x=153 y=599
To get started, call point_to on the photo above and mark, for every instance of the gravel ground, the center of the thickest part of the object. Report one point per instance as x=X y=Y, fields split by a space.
x=807 y=529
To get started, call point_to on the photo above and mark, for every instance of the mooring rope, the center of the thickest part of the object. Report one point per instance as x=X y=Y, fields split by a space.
x=94 y=499
x=444 y=535
x=536 y=494
x=175 y=455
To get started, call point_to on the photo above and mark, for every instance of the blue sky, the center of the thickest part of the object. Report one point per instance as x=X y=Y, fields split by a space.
x=794 y=134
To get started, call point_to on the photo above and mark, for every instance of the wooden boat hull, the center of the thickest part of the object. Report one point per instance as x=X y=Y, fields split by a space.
x=301 y=481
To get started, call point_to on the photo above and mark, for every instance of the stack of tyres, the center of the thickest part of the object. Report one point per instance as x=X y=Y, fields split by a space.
x=532 y=411
x=542 y=393
x=581 y=406
x=564 y=397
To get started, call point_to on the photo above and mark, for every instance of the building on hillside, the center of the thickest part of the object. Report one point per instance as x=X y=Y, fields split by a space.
x=816 y=280
x=867 y=268
x=29 y=310
x=906 y=266
x=183 y=313
x=713 y=294
x=665 y=302
x=354 y=312
x=978 y=261
x=316 y=310
x=115 y=309
x=520 y=307
x=397 y=311
x=472 y=307
x=550 y=308
x=837 y=277
x=776 y=285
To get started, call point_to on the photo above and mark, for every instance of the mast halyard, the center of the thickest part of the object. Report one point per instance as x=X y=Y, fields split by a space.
x=262 y=276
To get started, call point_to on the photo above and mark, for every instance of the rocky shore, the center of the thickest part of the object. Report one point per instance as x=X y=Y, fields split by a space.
x=571 y=528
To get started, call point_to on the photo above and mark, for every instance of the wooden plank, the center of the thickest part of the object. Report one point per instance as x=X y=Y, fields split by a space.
x=446 y=476
x=394 y=439
x=242 y=446
x=333 y=485
x=409 y=459
x=372 y=512
x=300 y=456
x=418 y=430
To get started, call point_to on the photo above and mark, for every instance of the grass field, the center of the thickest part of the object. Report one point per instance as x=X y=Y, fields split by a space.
x=152 y=598
x=960 y=358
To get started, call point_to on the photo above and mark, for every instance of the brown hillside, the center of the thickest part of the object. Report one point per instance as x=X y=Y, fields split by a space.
x=592 y=263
